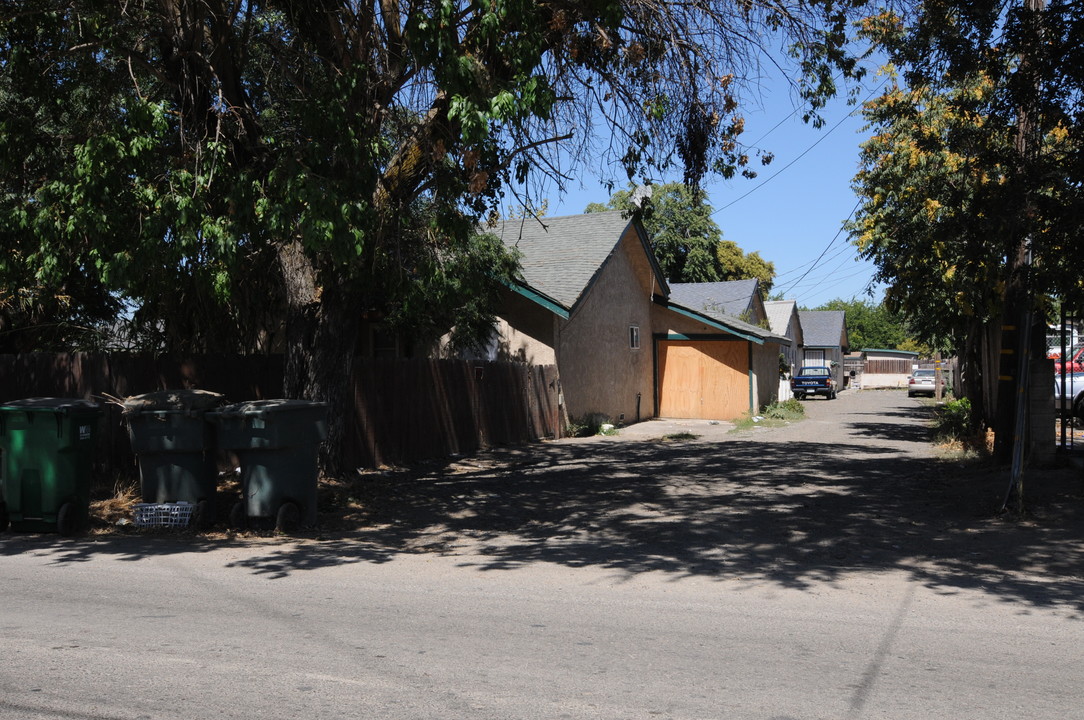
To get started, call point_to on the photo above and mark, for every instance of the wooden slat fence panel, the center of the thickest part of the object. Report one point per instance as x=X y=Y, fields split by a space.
x=405 y=410
x=414 y=409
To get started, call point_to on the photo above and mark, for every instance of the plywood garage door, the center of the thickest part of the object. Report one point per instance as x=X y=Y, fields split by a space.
x=707 y=379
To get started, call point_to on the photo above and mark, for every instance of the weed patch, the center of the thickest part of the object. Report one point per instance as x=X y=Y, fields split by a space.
x=679 y=436
x=954 y=435
x=775 y=415
x=594 y=423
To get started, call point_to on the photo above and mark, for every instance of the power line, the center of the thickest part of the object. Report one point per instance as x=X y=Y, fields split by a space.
x=842 y=249
x=804 y=152
x=827 y=247
x=826 y=282
x=839 y=291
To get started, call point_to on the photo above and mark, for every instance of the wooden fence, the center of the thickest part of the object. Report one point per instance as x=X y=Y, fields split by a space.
x=405 y=410
x=413 y=409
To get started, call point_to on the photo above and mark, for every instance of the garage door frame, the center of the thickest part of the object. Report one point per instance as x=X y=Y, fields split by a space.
x=657 y=338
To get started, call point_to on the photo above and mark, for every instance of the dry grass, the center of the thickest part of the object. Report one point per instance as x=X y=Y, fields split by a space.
x=106 y=512
x=978 y=445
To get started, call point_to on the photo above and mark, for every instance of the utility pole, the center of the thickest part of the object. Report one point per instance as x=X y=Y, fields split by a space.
x=1013 y=429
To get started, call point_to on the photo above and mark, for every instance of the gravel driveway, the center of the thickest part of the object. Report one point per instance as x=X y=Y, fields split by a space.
x=855 y=486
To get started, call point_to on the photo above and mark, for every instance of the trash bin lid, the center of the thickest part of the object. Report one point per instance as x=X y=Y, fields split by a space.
x=176 y=400
x=49 y=404
x=264 y=407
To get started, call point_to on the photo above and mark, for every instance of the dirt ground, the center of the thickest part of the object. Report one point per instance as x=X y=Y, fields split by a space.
x=857 y=485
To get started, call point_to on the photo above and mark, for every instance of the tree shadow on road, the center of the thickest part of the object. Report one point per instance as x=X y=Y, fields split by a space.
x=797 y=513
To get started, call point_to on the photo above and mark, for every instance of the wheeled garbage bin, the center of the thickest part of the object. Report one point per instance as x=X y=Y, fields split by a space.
x=176 y=449
x=47 y=446
x=276 y=442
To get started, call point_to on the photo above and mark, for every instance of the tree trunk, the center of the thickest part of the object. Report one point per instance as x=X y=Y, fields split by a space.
x=1011 y=429
x=321 y=339
x=989 y=354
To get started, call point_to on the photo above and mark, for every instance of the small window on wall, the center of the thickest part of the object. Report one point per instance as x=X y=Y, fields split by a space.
x=634 y=337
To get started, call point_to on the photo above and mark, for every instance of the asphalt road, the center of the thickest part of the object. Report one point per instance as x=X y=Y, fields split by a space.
x=645 y=579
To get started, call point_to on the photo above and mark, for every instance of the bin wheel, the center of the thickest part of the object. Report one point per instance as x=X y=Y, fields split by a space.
x=237 y=516
x=66 y=519
x=203 y=519
x=4 y=517
x=288 y=517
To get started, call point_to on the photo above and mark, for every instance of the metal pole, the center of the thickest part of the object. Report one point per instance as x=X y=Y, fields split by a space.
x=1061 y=380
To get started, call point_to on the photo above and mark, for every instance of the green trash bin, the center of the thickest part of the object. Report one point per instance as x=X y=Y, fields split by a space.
x=176 y=449
x=47 y=446
x=276 y=442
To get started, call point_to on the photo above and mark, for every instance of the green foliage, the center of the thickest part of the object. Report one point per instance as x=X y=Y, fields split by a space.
x=737 y=265
x=776 y=414
x=871 y=325
x=789 y=409
x=679 y=437
x=921 y=349
x=678 y=222
x=71 y=316
x=973 y=165
x=953 y=421
x=685 y=238
x=784 y=366
x=589 y=424
x=932 y=219
x=252 y=174
x=374 y=140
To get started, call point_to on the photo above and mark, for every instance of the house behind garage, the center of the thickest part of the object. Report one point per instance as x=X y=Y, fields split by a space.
x=592 y=300
x=825 y=336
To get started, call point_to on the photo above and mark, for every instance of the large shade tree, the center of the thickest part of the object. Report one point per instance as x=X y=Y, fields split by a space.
x=685 y=238
x=933 y=187
x=678 y=222
x=871 y=325
x=210 y=159
x=972 y=180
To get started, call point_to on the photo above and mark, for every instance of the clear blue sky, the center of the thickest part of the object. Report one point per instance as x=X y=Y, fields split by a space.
x=792 y=213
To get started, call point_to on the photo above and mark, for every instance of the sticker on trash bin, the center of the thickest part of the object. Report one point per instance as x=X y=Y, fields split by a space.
x=84 y=432
x=257 y=423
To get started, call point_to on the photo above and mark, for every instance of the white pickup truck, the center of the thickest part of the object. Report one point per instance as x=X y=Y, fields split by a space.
x=1069 y=393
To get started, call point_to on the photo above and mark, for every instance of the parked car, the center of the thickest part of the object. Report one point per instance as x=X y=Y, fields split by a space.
x=922 y=382
x=813 y=380
x=1069 y=395
x=1075 y=363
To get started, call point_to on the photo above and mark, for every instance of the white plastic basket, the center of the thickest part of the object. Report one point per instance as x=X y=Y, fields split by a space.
x=177 y=514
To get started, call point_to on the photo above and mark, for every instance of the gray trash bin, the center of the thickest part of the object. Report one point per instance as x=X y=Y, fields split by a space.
x=276 y=442
x=175 y=445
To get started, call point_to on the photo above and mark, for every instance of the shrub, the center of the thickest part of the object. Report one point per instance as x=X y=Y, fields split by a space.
x=953 y=420
x=775 y=415
x=590 y=424
x=790 y=409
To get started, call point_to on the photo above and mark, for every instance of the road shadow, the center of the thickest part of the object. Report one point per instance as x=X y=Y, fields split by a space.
x=789 y=509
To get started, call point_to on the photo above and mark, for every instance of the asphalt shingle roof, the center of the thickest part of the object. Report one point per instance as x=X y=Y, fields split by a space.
x=561 y=255
x=731 y=324
x=779 y=312
x=731 y=298
x=822 y=328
